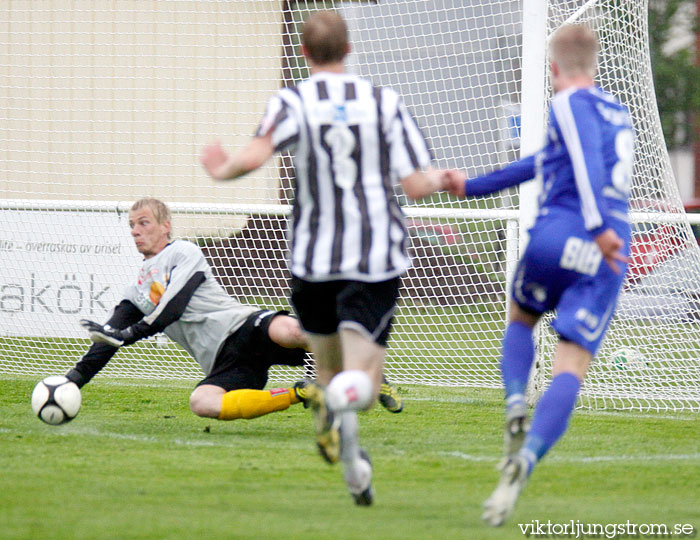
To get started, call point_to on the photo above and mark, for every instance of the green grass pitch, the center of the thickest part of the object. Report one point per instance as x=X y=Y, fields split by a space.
x=136 y=464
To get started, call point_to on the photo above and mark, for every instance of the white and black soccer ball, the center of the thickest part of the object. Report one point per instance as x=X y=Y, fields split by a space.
x=56 y=400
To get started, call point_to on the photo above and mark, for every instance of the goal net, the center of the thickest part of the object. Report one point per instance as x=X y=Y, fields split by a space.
x=101 y=107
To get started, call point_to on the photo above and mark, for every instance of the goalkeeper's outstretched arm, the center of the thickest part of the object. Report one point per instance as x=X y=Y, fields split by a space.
x=99 y=354
x=128 y=325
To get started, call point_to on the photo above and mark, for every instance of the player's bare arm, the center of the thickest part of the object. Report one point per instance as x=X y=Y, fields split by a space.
x=420 y=184
x=455 y=183
x=221 y=165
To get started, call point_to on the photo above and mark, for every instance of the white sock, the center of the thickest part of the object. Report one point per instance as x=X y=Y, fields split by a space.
x=357 y=471
x=349 y=443
x=349 y=391
x=358 y=476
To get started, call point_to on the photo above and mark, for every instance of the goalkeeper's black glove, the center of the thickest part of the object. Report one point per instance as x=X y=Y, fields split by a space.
x=106 y=334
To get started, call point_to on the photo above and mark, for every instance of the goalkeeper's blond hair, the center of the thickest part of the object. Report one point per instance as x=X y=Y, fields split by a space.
x=160 y=210
x=574 y=48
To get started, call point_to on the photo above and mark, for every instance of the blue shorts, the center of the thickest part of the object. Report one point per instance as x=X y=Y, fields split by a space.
x=562 y=269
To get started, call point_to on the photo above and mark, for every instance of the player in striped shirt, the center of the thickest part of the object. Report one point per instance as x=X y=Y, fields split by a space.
x=576 y=257
x=351 y=142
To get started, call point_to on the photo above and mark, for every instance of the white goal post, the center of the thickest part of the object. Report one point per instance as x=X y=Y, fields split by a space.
x=101 y=107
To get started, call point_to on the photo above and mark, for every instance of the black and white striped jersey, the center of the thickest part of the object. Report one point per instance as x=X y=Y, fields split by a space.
x=351 y=142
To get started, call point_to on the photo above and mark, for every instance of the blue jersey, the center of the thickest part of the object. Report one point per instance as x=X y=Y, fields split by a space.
x=586 y=167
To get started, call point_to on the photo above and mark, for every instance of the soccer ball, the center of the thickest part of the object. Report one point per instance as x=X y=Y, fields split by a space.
x=56 y=400
x=629 y=359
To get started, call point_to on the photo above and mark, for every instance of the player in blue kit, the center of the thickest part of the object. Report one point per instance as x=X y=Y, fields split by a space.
x=576 y=257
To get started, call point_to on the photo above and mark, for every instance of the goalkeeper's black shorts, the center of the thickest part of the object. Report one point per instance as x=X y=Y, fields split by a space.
x=248 y=353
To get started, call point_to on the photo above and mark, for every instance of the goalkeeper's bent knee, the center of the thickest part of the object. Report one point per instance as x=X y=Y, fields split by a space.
x=248 y=403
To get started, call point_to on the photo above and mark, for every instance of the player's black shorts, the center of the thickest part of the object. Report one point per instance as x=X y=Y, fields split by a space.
x=324 y=307
x=248 y=353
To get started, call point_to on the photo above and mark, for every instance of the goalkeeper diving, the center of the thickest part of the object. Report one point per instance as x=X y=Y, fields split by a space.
x=175 y=292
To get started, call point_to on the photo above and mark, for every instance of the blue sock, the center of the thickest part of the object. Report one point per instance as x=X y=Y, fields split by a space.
x=517 y=356
x=551 y=416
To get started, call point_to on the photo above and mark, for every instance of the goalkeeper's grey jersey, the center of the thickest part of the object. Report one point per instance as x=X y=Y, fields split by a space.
x=209 y=317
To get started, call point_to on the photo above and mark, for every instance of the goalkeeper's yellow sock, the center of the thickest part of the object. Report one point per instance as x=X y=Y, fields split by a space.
x=249 y=403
